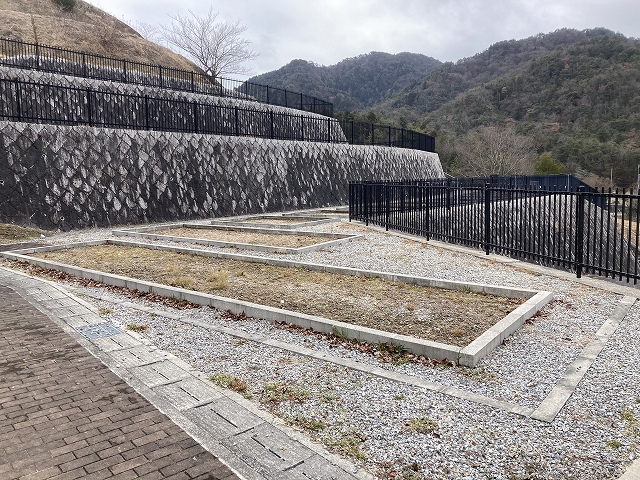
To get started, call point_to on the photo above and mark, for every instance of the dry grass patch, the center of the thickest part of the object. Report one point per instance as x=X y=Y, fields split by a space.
x=238 y=236
x=14 y=233
x=447 y=316
x=277 y=220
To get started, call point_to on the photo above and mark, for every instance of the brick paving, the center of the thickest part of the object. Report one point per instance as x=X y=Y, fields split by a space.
x=64 y=415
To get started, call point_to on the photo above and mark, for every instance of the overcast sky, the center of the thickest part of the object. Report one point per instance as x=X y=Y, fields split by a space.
x=327 y=31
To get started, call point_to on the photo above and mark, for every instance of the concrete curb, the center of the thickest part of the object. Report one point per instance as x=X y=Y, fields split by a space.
x=603 y=283
x=632 y=472
x=467 y=356
x=553 y=403
x=251 y=442
x=305 y=221
x=145 y=232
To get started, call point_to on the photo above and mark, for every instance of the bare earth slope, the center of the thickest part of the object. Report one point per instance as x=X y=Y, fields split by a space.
x=84 y=28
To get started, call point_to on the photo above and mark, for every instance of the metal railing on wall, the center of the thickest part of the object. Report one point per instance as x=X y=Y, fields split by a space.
x=361 y=133
x=592 y=232
x=39 y=102
x=43 y=103
x=46 y=58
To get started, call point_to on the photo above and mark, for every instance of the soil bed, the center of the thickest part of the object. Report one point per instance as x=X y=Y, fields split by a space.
x=238 y=236
x=447 y=316
x=13 y=233
x=274 y=221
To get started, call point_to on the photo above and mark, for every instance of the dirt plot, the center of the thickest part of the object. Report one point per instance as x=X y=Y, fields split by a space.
x=447 y=316
x=238 y=236
x=12 y=233
x=276 y=220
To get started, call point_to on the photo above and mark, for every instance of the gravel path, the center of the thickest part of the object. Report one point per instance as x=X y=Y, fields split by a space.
x=400 y=431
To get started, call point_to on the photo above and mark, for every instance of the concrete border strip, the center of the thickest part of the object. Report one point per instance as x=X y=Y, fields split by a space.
x=632 y=472
x=468 y=356
x=247 y=466
x=352 y=364
x=556 y=399
x=309 y=221
x=147 y=232
x=603 y=283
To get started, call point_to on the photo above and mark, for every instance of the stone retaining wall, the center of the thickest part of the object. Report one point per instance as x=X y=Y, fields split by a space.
x=256 y=119
x=71 y=177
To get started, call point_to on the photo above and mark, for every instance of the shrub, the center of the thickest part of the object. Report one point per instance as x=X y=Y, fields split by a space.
x=66 y=4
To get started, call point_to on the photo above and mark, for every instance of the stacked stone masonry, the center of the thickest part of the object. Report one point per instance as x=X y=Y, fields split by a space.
x=60 y=177
x=255 y=118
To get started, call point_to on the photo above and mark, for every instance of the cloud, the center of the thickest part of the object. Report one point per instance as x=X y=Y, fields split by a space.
x=327 y=31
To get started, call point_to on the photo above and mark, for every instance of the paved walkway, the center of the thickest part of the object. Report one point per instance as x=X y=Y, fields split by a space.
x=66 y=413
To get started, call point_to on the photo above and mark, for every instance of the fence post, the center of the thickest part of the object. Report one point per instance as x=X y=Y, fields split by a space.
x=237 y=122
x=387 y=206
x=366 y=204
x=579 y=246
x=427 y=208
x=18 y=100
x=146 y=112
x=89 y=110
x=272 y=122
x=389 y=129
x=195 y=117
x=487 y=218
x=302 y=127
x=193 y=83
x=328 y=130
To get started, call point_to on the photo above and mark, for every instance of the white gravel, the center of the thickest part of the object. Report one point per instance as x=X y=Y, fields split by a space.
x=593 y=437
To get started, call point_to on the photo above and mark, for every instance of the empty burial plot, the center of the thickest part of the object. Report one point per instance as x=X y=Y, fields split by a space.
x=275 y=221
x=447 y=316
x=250 y=238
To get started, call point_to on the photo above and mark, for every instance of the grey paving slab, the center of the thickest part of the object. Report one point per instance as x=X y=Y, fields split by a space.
x=115 y=342
x=268 y=450
x=175 y=388
x=138 y=356
x=160 y=373
x=187 y=393
x=100 y=427
x=315 y=468
x=224 y=417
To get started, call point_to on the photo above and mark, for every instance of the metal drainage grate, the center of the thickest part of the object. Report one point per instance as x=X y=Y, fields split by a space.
x=101 y=330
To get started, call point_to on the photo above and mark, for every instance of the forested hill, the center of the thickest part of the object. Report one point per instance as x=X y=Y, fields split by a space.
x=354 y=83
x=501 y=59
x=580 y=103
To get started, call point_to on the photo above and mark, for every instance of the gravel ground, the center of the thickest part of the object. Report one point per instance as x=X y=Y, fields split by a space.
x=400 y=431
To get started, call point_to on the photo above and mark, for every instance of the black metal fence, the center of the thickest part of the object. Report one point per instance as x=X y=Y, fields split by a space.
x=81 y=64
x=361 y=133
x=593 y=232
x=53 y=104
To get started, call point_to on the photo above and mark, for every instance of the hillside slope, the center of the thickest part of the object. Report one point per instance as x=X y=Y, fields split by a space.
x=84 y=28
x=354 y=83
x=580 y=102
x=451 y=79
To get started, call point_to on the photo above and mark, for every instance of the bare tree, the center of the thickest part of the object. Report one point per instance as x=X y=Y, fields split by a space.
x=147 y=31
x=495 y=151
x=217 y=47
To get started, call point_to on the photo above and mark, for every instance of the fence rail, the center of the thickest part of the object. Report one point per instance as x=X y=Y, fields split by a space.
x=46 y=58
x=33 y=56
x=592 y=232
x=361 y=133
x=43 y=103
